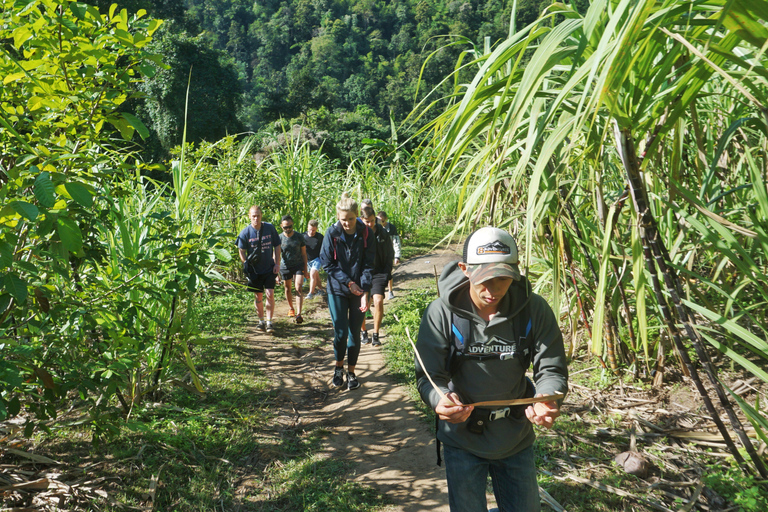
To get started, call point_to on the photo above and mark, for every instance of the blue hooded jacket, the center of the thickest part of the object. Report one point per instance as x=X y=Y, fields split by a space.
x=345 y=262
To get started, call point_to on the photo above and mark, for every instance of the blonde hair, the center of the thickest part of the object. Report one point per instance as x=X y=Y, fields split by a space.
x=346 y=204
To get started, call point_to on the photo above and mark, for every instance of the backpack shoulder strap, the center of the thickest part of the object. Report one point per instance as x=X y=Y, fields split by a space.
x=523 y=324
x=461 y=337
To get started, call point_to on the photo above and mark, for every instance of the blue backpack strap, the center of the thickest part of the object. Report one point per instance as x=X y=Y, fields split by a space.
x=523 y=324
x=461 y=337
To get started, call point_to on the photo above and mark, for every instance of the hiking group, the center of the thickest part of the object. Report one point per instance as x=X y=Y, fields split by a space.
x=475 y=344
x=357 y=253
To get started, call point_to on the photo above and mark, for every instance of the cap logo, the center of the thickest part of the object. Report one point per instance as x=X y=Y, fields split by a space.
x=494 y=247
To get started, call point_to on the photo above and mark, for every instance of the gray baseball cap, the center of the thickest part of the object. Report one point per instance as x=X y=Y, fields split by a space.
x=491 y=252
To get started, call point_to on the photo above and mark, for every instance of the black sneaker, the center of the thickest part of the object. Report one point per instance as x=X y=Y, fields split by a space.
x=338 y=377
x=365 y=338
x=261 y=326
x=352 y=382
x=376 y=341
x=269 y=328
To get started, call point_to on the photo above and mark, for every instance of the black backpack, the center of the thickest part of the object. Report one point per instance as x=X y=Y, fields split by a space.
x=254 y=257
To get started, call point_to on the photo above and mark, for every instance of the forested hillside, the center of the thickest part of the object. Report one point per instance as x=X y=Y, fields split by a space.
x=344 y=66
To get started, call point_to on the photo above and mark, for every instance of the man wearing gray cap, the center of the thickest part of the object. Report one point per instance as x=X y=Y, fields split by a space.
x=474 y=346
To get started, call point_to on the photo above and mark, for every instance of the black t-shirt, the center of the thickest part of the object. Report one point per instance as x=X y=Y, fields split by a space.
x=391 y=229
x=313 y=245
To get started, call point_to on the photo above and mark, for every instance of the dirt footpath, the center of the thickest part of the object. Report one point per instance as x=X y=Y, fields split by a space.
x=375 y=426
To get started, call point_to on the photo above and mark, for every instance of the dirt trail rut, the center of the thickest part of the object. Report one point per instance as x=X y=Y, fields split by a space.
x=375 y=426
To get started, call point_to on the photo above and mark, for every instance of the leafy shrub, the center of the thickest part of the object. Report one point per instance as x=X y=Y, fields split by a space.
x=733 y=484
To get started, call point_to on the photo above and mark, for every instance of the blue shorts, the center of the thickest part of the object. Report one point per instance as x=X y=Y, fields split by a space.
x=314 y=265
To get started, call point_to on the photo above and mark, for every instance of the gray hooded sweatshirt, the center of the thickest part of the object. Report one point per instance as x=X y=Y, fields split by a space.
x=490 y=378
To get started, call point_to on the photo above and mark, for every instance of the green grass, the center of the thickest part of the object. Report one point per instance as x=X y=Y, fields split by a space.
x=220 y=450
x=423 y=240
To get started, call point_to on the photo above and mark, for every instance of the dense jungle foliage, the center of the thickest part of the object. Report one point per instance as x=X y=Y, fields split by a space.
x=342 y=67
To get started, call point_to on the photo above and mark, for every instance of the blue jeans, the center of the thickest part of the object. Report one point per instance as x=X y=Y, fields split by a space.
x=513 y=478
x=347 y=321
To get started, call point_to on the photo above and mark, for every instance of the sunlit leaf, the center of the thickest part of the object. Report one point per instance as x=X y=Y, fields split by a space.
x=69 y=233
x=44 y=190
x=136 y=123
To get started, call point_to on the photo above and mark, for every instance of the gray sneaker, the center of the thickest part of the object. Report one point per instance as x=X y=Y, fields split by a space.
x=269 y=328
x=352 y=382
x=338 y=377
x=376 y=341
x=261 y=326
x=365 y=339
x=391 y=295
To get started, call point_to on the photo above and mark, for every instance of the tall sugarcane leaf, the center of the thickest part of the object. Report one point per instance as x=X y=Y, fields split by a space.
x=602 y=288
x=759 y=422
x=755 y=343
x=755 y=369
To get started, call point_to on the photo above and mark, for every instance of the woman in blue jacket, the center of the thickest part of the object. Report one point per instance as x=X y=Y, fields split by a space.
x=347 y=255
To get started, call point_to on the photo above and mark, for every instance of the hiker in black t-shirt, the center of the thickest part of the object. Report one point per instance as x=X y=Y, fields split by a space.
x=293 y=268
x=314 y=240
x=382 y=272
x=395 y=237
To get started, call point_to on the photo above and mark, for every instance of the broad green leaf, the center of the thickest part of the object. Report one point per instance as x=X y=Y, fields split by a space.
x=136 y=123
x=21 y=35
x=69 y=233
x=5 y=298
x=16 y=286
x=192 y=283
x=79 y=193
x=6 y=254
x=25 y=209
x=14 y=406
x=147 y=69
x=222 y=254
x=78 y=9
x=124 y=127
x=12 y=77
x=44 y=189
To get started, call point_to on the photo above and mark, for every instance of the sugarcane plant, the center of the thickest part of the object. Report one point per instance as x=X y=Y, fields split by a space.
x=626 y=147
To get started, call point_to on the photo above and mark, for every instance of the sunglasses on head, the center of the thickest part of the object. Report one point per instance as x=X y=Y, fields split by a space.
x=287 y=228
